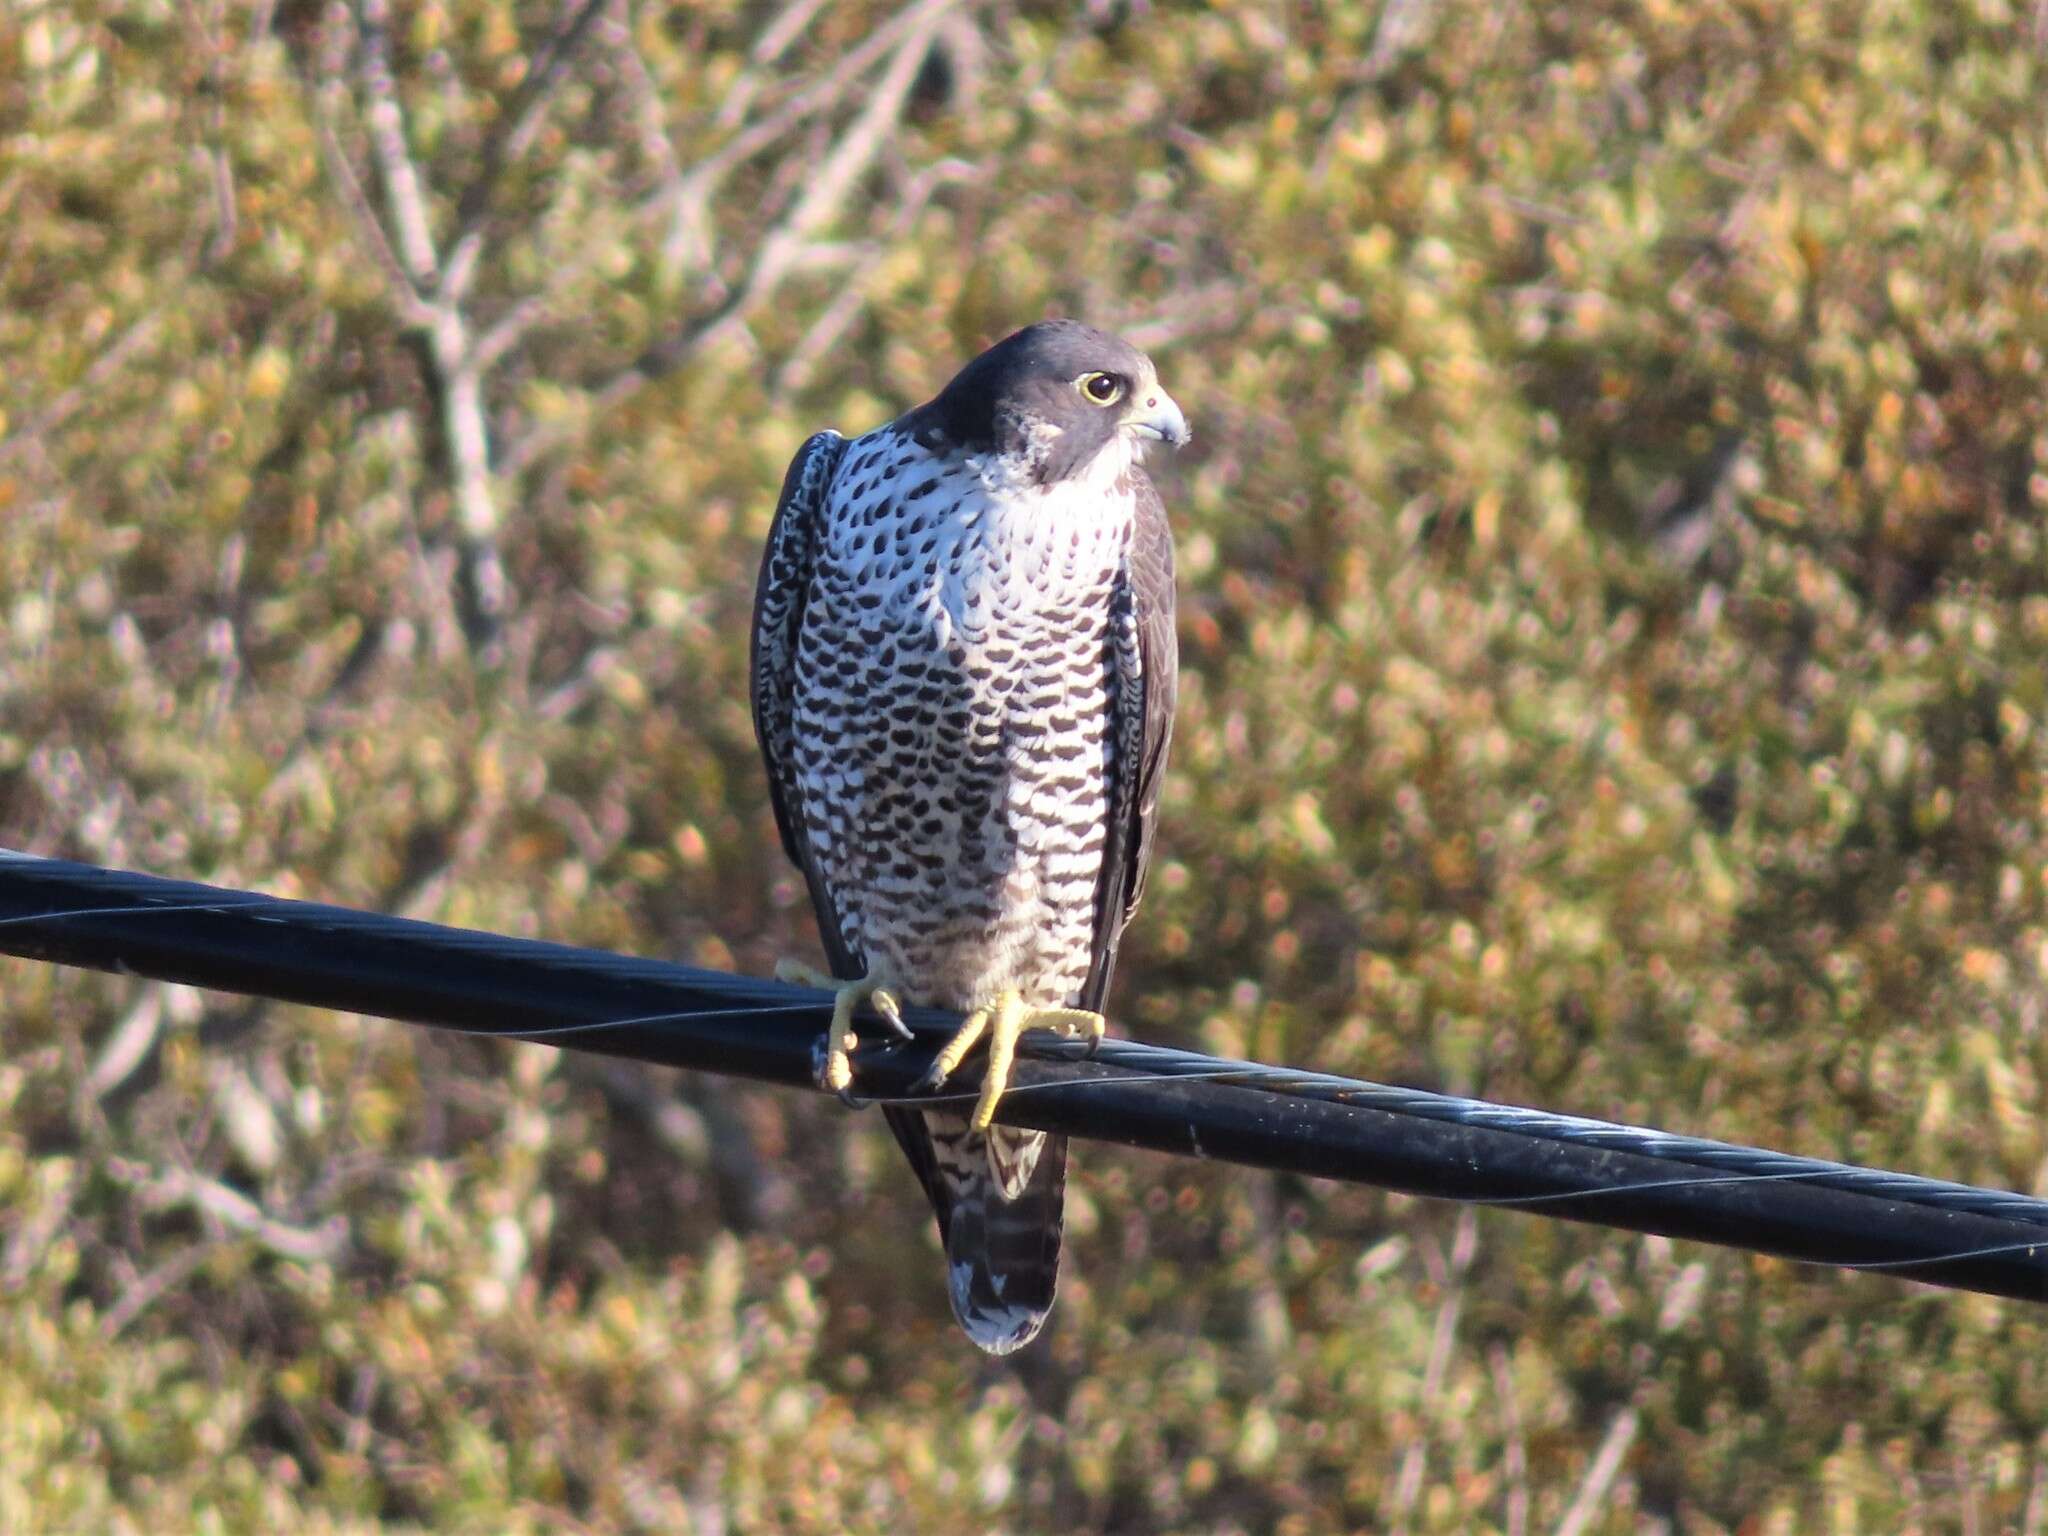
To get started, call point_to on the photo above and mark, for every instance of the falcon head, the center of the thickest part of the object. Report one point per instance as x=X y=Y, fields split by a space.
x=1057 y=395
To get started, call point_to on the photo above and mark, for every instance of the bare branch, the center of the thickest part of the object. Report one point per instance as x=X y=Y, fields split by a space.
x=508 y=141
x=785 y=246
x=172 y=1188
x=797 y=370
x=785 y=29
x=508 y=330
x=462 y=410
x=404 y=202
x=412 y=309
x=850 y=159
x=132 y=1042
x=1448 y=1274
x=33 y=1233
x=1599 y=1478
x=790 y=247
x=1206 y=310
x=1401 y=25
x=330 y=90
x=226 y=220
x=140 y=1296
x=60 y=410
x=1515 y=1459
x=209 y=33
x=801 y=366
x=693 y=198
x=645 y=98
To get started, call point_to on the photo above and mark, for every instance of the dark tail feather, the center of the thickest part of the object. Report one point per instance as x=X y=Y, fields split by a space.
x=1002 y=1255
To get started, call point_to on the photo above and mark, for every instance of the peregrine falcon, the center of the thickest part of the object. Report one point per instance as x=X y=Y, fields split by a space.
x=963 y=682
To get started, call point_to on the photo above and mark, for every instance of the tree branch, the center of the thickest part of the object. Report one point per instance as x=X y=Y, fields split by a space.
x=787 y=247
x=797 y=369
x=172 y=1188
x=1600 y=1475
x=509 y=140
x=693 y=198
x=58 y=411
x=406 y=204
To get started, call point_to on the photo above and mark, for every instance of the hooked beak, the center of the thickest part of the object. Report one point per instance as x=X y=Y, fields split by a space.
x=1155 y=416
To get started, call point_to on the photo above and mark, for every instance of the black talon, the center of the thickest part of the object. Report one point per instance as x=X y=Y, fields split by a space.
x=821 y=1056
x=893 y=1022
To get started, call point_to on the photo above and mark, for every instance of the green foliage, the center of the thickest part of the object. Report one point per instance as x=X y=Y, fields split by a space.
x=1614 y=623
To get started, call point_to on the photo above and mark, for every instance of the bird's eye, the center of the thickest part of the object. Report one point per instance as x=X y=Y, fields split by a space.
x=1102 y=388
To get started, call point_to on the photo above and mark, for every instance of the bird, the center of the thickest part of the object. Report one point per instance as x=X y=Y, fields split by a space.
x=963 y=668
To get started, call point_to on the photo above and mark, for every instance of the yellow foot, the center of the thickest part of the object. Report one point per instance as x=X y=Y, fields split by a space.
x=835 y=1063
x=1003 y=1021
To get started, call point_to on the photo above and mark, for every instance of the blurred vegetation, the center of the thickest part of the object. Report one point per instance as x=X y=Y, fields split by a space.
x=1614 y=618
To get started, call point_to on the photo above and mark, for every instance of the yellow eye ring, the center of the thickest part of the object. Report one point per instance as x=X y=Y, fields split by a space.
x=1102 y=388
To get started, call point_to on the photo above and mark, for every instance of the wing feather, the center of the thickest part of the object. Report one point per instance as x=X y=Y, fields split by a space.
x=779 y=597
x=1144 y=672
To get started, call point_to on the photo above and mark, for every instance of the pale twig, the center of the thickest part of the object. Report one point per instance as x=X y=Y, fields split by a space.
x=852 y=298
x=404 y=229
x=853 y=154
x=688 y=197
x=226 y=222
x=787 y=249
x=1400 y=27
x=412 y=309
x=1269 y=1333
x=785 y=29
x=508 y=330
x=462 y=420
x=132 y=1042
x=66 y=404
x=1600 y=1475
x=644 y=97
x=33 y=1234
x=411 y=232
x=1464 y=1249
x=693 y=196
x=1204 y=311
x=210 y=31
x=1515 y=1455
x=826 y=188
x=509 y=140
x=801 y=365
x=138 y=1297
x=355 y=1439
x=1448 y=1274
x=821 y=95
x=173 y=1188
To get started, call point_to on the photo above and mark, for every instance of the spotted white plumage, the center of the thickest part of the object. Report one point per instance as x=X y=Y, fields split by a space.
x=963 y=681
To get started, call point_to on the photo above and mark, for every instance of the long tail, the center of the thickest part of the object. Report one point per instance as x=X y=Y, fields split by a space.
x=1000 y=1198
